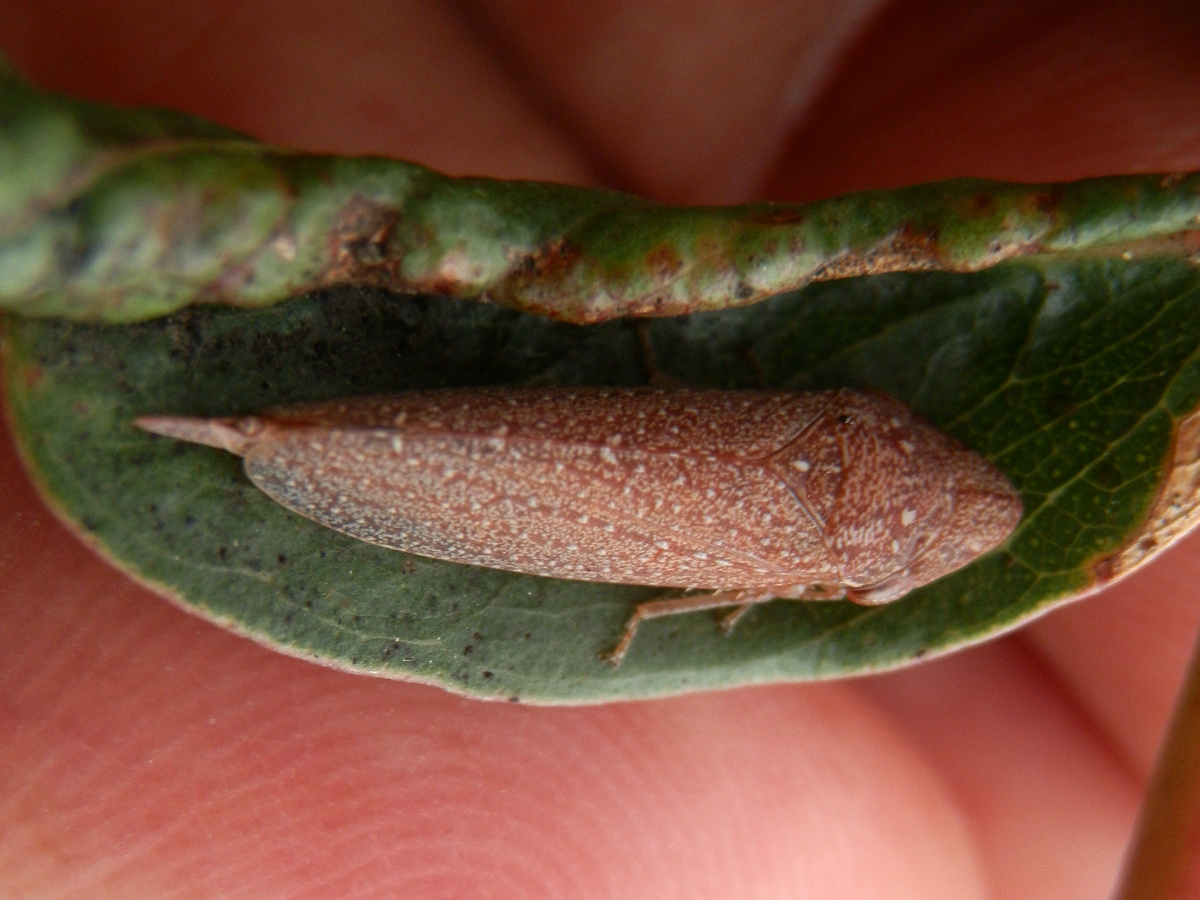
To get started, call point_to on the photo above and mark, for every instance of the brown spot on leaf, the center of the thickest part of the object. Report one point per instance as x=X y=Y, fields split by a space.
x=982 y=203
x=552 y=261
x=1045 y=202
x=440 y=283
x=540 y=281
x=360 y=242
x=31 y=376
x=908 y=249
x=663 y=262
x=1174 y=512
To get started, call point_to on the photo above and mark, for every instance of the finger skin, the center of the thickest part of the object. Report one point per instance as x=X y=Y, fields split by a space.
x=729 y=81
x=148 y=753
x=1008 y=741
x=1019 y=90
x=1122 y=654
x=154 y=754
x=398 y=78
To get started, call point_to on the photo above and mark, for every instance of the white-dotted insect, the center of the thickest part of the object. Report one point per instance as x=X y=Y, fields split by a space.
x=748 y=495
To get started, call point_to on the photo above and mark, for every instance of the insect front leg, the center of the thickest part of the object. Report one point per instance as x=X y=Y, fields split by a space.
x=783 y=592
x=730 y=619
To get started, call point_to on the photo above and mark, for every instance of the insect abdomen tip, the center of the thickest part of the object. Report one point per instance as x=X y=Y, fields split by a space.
x=220 y=433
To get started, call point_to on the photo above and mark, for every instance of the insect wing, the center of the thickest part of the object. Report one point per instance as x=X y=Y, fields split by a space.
x=550 y=507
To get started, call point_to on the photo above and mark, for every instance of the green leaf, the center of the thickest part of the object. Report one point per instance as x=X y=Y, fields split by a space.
x=1071 y=374
x=1056 y=329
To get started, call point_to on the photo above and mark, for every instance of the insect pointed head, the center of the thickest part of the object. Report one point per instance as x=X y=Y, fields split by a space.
x=986 y=506
x=914 y=504
x=985 y=510
x=236 y=435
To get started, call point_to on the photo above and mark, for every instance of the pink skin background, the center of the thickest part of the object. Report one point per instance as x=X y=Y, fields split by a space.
x=146 y=753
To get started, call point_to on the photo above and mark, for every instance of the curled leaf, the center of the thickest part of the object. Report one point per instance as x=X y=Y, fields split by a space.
x=119 y=216
x=143 y=258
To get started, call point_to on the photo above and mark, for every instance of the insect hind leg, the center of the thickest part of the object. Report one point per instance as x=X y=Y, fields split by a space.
x=671 y=606
x=741 y=599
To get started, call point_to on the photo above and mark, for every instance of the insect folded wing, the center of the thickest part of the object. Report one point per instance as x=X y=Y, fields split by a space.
x=566 y=509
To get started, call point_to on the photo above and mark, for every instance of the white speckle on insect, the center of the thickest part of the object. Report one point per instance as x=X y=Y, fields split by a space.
x=802 y=464
x=908 y=517
x=608 y=456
